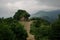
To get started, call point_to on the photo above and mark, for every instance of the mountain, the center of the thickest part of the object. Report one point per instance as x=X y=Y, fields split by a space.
x=47 y=15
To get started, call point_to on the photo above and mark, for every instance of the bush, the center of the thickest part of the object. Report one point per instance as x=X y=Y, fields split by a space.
x=21 y=13
x=39 y=30
x=6 y=33
x=11 y=29
x=55 y=31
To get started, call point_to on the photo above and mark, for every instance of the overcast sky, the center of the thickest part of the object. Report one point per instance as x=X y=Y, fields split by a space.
x=9 y=7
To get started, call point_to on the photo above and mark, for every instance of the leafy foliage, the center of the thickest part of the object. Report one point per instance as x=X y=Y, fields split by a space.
x=51 y=32
x=21 y=13
x=11 y=29
x=39 y=29
x=55 y=30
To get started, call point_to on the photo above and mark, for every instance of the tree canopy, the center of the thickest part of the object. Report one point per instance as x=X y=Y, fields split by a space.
x=39 y=29
x=11 y=29
x=21 y=13
x=55 y=30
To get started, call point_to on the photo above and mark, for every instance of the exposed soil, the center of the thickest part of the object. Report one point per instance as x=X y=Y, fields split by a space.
x=27 y=27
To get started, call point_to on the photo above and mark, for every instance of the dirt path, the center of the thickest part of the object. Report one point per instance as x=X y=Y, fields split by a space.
x=27 y=27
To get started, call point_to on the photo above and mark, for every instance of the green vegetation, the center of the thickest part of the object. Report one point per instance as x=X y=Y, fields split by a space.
x=55 y=30
x=43 y=30
x=40 y=29
x=21 y=13
x=11 y=29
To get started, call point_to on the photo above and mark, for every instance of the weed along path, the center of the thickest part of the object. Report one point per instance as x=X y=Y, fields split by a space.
x=27 y=27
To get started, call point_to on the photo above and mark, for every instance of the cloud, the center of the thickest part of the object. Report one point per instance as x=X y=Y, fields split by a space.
x=54 y=3
x=9 y=7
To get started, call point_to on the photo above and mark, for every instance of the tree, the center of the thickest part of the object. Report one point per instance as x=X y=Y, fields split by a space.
x=39 y=30
x=19 y=31
x=11 y=29
x=6 y=33
x=55 y=30
x=21 y=13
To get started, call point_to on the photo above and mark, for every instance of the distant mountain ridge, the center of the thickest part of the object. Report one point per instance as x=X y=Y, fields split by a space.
x=48 y=15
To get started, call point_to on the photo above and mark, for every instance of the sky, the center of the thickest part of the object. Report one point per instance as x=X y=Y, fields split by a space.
x=9 y=7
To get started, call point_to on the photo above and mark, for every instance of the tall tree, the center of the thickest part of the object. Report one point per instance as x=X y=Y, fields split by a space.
x=11 y=29
x=21 y=13
x=55 y=30
x=39 y=29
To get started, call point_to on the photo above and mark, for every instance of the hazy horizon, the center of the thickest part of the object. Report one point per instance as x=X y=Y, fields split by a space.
x=9 y=7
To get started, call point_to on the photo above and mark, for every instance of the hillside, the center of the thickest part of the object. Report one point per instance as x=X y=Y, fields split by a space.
x=48 y=15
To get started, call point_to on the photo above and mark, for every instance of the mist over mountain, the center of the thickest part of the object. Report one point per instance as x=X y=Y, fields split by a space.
x=48 y=15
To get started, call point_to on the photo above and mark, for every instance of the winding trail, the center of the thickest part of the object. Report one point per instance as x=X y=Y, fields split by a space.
x=27 y=27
